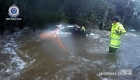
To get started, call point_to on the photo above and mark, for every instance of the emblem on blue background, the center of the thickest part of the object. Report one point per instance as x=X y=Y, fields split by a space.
x=13 y=11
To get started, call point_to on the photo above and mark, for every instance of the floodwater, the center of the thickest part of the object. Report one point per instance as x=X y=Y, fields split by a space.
x=57 y=55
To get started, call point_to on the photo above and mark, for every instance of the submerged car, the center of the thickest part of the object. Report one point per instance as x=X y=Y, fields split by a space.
x=75 y=30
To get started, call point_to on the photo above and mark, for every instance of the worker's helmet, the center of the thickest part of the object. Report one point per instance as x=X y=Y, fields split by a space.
x=115 y=19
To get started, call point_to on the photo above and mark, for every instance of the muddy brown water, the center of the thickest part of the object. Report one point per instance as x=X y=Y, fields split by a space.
x=26 y=55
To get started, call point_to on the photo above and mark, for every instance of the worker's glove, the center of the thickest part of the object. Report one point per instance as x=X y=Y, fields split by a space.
x=119 y=32
x=108 y=34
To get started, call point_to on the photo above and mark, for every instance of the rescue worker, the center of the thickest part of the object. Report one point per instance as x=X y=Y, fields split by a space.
x=83 y=29
x=117 y=30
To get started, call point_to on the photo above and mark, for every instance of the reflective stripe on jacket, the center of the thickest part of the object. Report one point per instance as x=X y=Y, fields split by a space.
x=116 y=33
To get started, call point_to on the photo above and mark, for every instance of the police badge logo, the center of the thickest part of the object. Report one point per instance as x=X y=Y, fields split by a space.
x=13 y=11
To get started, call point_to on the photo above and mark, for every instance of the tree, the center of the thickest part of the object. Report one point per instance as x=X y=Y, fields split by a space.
x=88 y=12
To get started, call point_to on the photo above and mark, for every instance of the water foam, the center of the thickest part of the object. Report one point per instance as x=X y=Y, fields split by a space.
x=14 y=64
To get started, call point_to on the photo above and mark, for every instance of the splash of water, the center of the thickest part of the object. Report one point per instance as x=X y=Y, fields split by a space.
x=14 y=64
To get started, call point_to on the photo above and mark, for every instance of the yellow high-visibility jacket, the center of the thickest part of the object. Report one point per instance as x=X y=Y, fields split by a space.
x=83 y=28
x=116 y=33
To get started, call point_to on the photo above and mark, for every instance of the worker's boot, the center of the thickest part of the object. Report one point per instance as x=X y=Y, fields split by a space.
x=112 y=50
